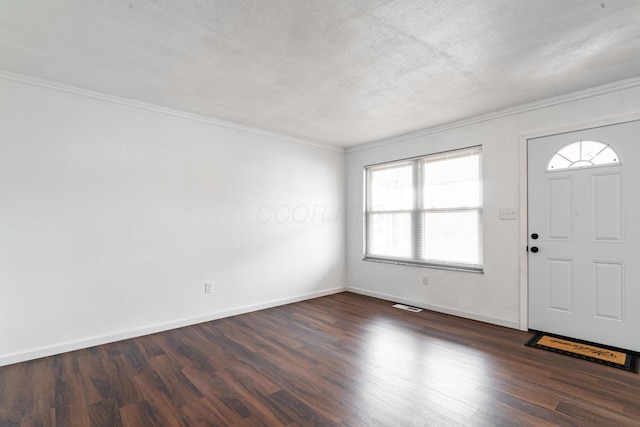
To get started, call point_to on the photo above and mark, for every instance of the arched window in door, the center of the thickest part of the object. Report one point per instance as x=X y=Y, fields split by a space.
x=583 y=154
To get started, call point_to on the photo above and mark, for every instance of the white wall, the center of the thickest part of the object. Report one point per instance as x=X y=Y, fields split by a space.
x=496 y=295
x=113 y=216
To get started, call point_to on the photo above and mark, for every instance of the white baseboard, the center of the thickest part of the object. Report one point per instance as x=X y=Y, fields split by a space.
x=39 y=352
x=437 y=308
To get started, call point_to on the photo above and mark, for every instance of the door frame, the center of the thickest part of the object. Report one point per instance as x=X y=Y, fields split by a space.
x=523 y=147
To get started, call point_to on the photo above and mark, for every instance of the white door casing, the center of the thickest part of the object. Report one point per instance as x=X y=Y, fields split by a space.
x=584 y=281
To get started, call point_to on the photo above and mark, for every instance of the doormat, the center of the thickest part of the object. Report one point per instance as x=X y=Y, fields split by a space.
x=610 y=356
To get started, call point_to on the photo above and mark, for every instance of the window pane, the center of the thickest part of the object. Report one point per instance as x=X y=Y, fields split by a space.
x=390 y=235
x=606 y=156
x=452 y=237
x=451 y=182
x=391 y=188
x=571 y=152
x=558 y=162
x=589 y=149
x=581 y=164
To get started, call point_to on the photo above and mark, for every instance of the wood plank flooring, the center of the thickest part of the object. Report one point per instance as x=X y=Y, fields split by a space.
x=341 y=360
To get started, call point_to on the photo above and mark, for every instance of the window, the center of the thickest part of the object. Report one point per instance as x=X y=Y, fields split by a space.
x=426 y=210
x=583 y=154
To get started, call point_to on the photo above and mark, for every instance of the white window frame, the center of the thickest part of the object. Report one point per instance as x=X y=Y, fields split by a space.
x=416 y=212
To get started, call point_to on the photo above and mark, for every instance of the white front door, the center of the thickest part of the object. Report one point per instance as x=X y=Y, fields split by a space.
x=584 y=237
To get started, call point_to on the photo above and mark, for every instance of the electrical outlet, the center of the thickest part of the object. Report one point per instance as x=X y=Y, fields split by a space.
x=509 y=213
x=208 y=287
x=425 y=280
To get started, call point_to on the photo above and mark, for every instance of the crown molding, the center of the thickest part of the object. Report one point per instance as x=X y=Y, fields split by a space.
x=59 y=87
x=524 y=108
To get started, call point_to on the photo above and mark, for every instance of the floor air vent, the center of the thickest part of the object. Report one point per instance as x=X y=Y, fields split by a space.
x=408 y=308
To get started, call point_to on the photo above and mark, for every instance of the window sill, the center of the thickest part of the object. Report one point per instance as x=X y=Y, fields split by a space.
x=478 y=270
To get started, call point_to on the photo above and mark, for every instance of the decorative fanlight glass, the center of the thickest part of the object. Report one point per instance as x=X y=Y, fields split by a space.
x=583 y=154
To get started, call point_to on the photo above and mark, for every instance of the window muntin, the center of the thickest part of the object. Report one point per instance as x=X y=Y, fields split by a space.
x=426 y=210
x=583 y=154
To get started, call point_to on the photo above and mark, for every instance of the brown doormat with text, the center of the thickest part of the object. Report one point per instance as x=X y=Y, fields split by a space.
x=598 y=353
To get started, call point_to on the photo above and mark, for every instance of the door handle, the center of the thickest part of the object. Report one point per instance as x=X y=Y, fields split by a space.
x=534 y=249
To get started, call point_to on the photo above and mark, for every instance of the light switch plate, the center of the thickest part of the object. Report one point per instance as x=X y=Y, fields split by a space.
x=508 y=213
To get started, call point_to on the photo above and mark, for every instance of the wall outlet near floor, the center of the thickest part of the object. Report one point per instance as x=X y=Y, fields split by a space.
x=425 y=280
x=208 y=287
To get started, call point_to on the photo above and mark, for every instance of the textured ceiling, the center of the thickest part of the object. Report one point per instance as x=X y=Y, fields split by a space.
x=341 y=72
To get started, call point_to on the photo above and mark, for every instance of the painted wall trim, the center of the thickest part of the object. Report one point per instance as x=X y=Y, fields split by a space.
x=524 y=108
x=59 y=87
x=123 y=335
x=439 y=309
x=523 y=172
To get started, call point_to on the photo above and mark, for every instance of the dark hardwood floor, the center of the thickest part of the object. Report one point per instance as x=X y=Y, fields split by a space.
x=344 y=360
